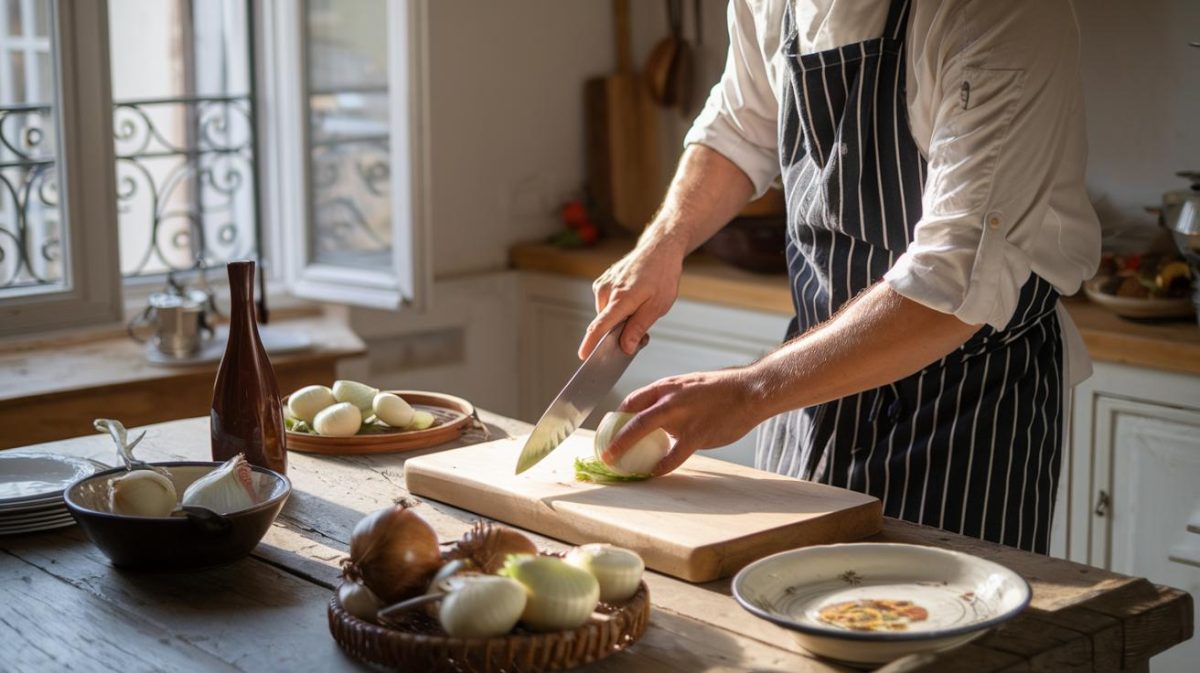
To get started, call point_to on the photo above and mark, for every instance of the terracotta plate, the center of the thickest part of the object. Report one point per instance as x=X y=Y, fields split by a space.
x=453 y=415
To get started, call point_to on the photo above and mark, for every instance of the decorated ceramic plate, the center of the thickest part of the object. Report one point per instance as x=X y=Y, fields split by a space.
x=869 y=603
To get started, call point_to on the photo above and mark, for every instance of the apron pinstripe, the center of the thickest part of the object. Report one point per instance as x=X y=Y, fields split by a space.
x=972 y=442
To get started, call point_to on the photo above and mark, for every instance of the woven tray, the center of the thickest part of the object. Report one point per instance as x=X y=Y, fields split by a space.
x=419 y=644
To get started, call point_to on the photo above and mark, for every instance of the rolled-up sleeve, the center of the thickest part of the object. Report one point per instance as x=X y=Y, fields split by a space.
x=1005 y=114
x=739 y=117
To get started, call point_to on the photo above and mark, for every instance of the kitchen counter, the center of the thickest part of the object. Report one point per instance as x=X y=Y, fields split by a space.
x=1170 y=346
x=63 y=606
x=52 y=390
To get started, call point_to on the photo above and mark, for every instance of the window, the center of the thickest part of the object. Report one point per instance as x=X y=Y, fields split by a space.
x=236 y=128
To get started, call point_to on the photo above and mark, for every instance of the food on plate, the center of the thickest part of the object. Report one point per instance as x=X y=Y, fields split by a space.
x=488 y=545
x=873 y=614
x=394 y=552
x=351 y=408
x=481 y=606
x=560 y=596
x=227 y=489
x=142 y=493
x=359 y=394
x=617 y=570
x=341 y=420
x=1147 y=276
x=304 y=404
x=392 y=409
x=636 y=464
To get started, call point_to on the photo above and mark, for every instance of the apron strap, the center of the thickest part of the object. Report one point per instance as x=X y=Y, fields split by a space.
x=897 y=19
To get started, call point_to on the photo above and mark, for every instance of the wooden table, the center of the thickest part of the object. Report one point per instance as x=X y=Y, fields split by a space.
x=63 y=606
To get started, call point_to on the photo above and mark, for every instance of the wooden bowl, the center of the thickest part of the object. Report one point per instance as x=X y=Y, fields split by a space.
x=419 y=644
x=453 y=415
x=174 y=542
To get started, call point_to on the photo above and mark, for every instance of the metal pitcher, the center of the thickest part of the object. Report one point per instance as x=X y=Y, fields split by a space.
x=178 y=320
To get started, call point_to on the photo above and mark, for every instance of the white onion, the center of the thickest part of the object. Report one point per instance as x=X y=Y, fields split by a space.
x=481 y=606
x=226 y=489
x=341 y=420
x=393 y=410
x=305 y=403
x=358 y=600
x=618 y=570
x=561 y=596
x=359 y=394
x=421 y=420
x=641 y=458
x=142 y=493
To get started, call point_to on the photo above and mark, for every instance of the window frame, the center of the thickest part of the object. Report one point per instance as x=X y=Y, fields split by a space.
x=98 y=294
x=86 y=174
x=285 y=148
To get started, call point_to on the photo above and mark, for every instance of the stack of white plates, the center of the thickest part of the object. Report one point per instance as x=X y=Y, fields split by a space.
x=31 y=490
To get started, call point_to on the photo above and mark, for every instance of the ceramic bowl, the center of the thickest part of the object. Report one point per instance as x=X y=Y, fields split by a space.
x=962 y=596
x=175 y=542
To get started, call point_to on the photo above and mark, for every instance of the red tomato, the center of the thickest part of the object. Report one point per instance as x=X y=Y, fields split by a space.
x=573 y=214
x=588 y=232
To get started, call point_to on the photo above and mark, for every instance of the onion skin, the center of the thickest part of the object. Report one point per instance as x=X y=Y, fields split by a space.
x=488 y=545
x=394 y=553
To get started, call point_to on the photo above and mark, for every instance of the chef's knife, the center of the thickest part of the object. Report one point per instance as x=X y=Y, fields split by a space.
x=591 y=382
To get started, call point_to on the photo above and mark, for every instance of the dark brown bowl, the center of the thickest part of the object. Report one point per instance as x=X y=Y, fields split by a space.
x=175 y=542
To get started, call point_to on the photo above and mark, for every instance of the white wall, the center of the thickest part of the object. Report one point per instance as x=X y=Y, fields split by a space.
x=506 y=88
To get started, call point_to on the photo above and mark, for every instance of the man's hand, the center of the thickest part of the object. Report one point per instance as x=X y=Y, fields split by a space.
x=704 y=410
x=640 y=289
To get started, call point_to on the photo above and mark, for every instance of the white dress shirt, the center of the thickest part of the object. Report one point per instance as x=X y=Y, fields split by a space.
x=995 y=106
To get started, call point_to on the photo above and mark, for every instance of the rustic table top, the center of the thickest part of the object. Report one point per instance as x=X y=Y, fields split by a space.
x=63 y=606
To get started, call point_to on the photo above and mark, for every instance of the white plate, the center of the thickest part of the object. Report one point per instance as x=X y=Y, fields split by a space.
x=27 y=478
x=16 y=519
x=33 y=528
x=963 y=596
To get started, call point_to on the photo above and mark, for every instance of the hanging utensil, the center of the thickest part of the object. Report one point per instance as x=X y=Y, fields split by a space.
x=663 y=60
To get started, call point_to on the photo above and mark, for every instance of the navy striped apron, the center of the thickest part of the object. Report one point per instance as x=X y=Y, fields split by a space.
x=971 y=443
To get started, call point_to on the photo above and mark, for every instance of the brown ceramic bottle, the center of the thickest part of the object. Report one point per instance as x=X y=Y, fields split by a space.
x=246 y=413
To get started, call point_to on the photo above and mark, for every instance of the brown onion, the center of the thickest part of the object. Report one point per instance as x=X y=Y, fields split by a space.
x=487 y=545
x=394 y=553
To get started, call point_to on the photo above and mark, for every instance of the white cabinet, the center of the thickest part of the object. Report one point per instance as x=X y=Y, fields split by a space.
x=694 y=336
x=1135 y=481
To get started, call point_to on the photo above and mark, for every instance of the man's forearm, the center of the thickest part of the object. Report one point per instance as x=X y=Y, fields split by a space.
x=875 y=340
x=707 y=191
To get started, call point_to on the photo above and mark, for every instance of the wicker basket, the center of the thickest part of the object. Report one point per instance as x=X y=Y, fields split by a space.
x=419 y=644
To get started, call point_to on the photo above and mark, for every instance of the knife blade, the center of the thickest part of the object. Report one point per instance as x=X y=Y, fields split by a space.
x=590 y=383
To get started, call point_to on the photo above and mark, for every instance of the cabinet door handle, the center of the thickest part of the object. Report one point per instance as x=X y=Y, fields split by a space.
x=1103 y=503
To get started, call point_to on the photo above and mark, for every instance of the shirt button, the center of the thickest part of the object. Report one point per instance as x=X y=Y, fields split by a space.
x=993 y=221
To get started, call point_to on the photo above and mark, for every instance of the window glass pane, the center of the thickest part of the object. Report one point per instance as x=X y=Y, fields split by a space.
x=349 y=199
x=32 y=237
x=183 y=133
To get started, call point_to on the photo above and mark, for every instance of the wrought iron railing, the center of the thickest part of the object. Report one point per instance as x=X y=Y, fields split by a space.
x=185 y=189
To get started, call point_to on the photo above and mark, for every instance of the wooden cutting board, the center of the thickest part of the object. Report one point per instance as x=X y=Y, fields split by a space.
x=704 y=521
